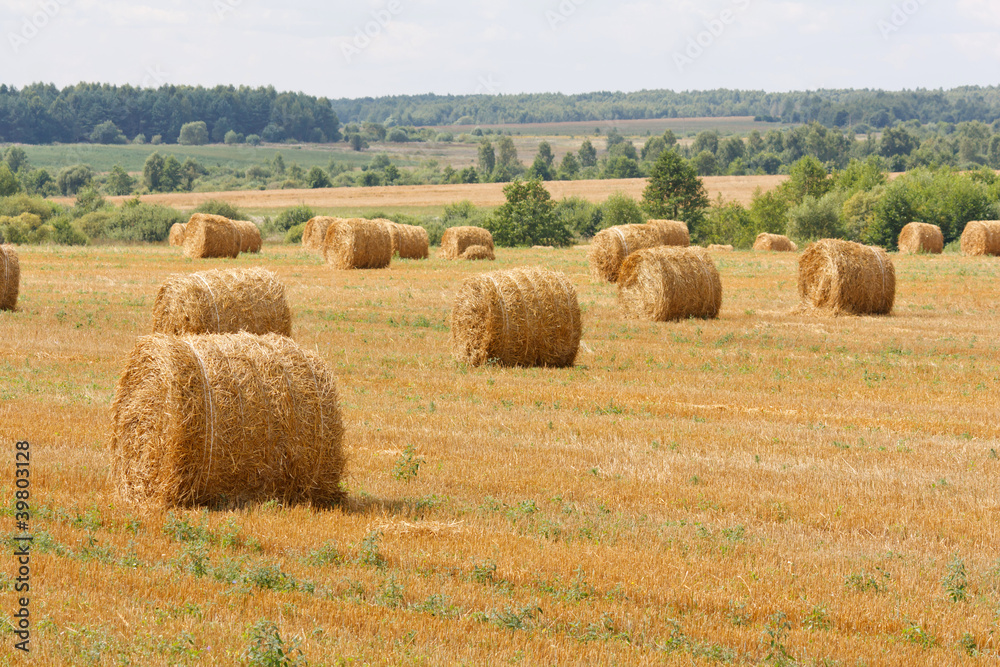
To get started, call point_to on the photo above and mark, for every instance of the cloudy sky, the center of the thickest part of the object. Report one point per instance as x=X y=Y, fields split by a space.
x=386 y=47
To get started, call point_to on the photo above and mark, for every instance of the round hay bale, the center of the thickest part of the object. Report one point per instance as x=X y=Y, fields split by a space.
x=981 y=237
x=611 y=246
x=920 y=237
x=10 y=277
x=775 y=242
x=314 y=233
x=669 y=283
x=357 y=244
x=847 y=277
x=228 y=418
x=672 y=232
x=250 y=240
x=516 y=317
x=211 y=236
x=478 y=252
x=177 y=233
x=223 y=301
x=715 y=247
x=410 y=242
x=455 y=240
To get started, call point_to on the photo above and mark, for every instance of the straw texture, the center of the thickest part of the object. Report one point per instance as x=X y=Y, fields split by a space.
x=10 y=278
x=250 y=240
x=516 y=317
x=225 y=419
x=774 y=242
x=357 y=244
x=456 y=240
x=669 y=283
x=314 y=233
x=611 y=246
x=478 y=252
x=920 y=237
x=177 y=233
x=223 y=301
x=847 y=277
x=211 y=236
x=408 y=241
x=672 y=232
x=981 y=237
x=715 y=247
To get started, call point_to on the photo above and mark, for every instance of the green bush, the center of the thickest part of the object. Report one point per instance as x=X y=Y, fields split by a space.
x=294 y=233
x=728 y=223
x=527 y=218
x=620 y=209
x=136 y=221
x=64 y=233
x=22 y=203
x=223 y=208
x=292 y=216
x=815 y=219
x=580 y=216
x=95 y=225
x=22 y=228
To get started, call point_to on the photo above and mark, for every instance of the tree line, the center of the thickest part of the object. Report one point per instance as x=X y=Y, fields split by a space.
x=102 y=113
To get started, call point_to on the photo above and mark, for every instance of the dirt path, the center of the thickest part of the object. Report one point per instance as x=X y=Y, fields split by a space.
x=732 y=188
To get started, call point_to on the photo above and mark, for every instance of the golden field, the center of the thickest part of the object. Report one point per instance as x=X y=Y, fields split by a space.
x=772 y=487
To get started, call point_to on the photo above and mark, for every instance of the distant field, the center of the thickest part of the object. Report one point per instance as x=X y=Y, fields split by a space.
x=680 y=126
x=434 y=197
x=132 y=157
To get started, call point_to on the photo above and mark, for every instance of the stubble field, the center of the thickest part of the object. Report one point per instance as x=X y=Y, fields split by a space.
x=771 y=487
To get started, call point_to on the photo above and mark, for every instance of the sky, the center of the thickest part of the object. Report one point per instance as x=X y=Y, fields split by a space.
x=400 y=47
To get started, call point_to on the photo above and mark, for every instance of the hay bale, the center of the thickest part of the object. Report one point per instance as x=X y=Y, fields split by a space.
x=774 y=242
x=672 y=232
x=314 y=233
x=223 y=301
x=517 y=317
x=669 y=283
x=211 y=236
x=611 y=246
x=920 y=237
x=847 y=277
x=10 y=278
x=715 y=247
x=227 y=418
x=456 y=240
x=250 y=240
x=357 y=244
x=981 y=237
x=410 y=241
x=177 y=233
x=478 y=252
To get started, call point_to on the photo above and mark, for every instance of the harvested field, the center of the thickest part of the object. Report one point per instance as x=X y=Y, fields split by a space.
x=692 y=492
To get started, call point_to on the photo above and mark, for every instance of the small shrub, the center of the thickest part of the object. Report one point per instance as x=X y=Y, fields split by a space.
x=223 y=208
x=407 y=465
x=136 y=221
x=293 y=216
x=294 y=234
x=268 y=649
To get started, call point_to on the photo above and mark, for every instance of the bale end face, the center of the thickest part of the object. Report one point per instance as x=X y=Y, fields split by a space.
x=177 y=234
x=456 y=240
x=10 y=277
x=774 y=243
x=981 y=237
x=844 y=277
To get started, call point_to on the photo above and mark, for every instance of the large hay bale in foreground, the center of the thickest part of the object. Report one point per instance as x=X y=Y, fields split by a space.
x=250 y=240
x=672 y=232
x=669 y=283
x=177 y=233
x=920 y=237
x=456 y=240
x=478 y=252
x=228 y=418
x=409 y=241
x=10 y=277
x=775 y=243
x=211 y=236
x=357 y=244
x=981 y=237
x=517 y=317
x=223 y=301
x=611 y=246
x=847 y=277
x=314 y=234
